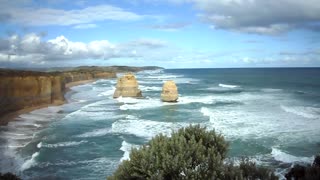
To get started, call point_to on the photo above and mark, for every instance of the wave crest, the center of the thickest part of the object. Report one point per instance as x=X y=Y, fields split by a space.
x=30 y=162
x=61 y=144
x=279 y=155
x=228 y=86
x=126 y=148
x=307 y=112
x=95 y=133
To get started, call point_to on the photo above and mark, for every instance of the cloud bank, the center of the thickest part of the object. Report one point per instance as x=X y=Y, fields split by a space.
x=250 y=16
x=80 y=18
x=31 y=49
x=259 y=16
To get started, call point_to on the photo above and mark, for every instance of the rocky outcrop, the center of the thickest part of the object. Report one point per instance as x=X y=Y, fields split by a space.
x=127 y=86
x=169 y=92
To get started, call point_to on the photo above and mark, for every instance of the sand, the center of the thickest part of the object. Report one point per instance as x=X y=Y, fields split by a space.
x=76 y=83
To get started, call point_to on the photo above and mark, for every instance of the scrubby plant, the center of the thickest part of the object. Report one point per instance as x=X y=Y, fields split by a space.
x=190 y=153
x=305 y=172
x=248 y=170
x=9 y=176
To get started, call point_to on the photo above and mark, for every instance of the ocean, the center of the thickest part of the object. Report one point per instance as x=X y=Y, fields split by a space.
x=271 y=115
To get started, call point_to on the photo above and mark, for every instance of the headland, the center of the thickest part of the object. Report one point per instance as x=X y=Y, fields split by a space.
x=22 y=91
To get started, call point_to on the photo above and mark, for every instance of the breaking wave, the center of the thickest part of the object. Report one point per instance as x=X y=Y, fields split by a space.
x=145 y=128
x=61 y=144
x=30 y=162
x=307 y=112
x=95 y=133
x=279 y=155
x=228 y=86
x=126 y=148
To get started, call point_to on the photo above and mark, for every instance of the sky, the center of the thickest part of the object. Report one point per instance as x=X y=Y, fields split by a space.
x=166 y=33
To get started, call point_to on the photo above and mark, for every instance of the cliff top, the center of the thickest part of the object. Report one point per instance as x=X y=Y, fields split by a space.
x=80 y=69
x=170 y=84
x=12 y=72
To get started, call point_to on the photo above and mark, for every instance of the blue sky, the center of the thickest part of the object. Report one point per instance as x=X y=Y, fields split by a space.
x=167 y=33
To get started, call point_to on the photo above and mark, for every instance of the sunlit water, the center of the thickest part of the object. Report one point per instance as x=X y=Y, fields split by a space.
x=270 y=115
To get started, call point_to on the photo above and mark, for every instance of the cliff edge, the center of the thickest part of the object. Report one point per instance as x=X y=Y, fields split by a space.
x=21 y=89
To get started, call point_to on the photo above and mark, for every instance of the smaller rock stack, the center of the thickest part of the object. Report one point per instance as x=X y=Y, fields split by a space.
x=169 y=92
x=127 y=86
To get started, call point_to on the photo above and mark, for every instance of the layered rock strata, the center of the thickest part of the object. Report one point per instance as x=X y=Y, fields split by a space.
x=127 y=86
x=19 y=92
x=27 y=89
x=169 y=92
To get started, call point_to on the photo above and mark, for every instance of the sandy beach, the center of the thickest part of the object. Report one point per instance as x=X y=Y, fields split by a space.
x=76 y=83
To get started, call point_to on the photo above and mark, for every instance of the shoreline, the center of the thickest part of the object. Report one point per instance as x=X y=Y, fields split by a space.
x=4 y=120
x=76 y=83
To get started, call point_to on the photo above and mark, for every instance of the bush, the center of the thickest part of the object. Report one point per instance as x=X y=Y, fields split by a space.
x=190 y=153
x=249 y=171
x=305 y=172
x=9 y=176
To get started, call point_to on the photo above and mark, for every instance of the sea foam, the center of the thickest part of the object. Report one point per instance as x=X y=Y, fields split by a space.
x=279 y=155
x=228 y=86
x=150 y=88
x=145 y=128
x=61 y=144
x=148 y=103
x=108 y=93
x=95 y=133
x=30 y=162
x=126 y=148
x=307 y=112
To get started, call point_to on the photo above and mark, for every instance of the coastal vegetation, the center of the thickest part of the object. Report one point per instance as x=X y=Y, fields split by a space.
x=9 y=176
x=310 y=172
x=190 y=153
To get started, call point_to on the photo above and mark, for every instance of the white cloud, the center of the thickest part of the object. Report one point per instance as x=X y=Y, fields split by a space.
x=81 y=18
x=30 y=42
x=149 y=43
x=259 y=16
x=247 y=60
x=85 y=26
x=169 y=26
x=31 y=49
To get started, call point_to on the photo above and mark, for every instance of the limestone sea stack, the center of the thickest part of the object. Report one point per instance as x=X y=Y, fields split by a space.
x=127 y=86
x=169 y=92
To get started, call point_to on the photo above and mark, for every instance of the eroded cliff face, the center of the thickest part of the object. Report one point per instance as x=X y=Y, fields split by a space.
x=25 y=89
x=20 y=92
x=75 y=76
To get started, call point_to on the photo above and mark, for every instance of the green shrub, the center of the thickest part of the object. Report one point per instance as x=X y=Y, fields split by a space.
x=9 y=176
x=249 y=171
x=305 y=172
x=190 y=153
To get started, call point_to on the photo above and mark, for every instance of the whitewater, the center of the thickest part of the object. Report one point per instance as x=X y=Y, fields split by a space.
x=270 y=115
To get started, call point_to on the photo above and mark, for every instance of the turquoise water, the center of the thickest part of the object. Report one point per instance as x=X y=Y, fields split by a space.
x=270 y=115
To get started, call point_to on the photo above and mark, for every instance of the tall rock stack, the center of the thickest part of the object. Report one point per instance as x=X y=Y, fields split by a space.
x=169 y=92
x=127 y=86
